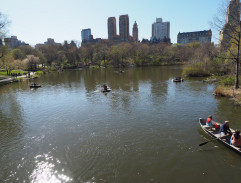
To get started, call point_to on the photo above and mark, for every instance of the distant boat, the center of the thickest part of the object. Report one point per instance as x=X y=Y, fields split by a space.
x=179 y=79
x=106 y=90
x=34 y=85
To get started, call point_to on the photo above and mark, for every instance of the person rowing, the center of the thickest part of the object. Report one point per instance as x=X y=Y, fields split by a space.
x=224 y=129
x=105 y=87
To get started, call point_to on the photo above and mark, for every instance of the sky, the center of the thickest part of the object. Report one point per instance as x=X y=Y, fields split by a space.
x=33 y=21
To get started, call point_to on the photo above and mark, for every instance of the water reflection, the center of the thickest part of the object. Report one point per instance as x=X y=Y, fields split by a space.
x=45 y=170
x=145 y=130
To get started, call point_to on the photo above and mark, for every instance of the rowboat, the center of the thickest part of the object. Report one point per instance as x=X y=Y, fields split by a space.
x=34 y=85
x=215 y=134
x=107 y=90
x=178 y=80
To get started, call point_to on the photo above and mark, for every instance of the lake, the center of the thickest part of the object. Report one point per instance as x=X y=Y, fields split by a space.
x=145 y=130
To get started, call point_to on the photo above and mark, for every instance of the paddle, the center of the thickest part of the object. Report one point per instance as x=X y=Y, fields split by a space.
x=213 y=140
x=208 y=141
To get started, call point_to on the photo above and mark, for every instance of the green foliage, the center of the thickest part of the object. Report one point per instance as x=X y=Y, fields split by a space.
x=39 y=73
x=104 y=63
x=66 y=64
x=156 y=60
x=228 y=81
x=18 y=72
x=195 y=72
x=177 y=45
x=217 y=66
x=194 y=45
x=3 y=73
x=18 y=54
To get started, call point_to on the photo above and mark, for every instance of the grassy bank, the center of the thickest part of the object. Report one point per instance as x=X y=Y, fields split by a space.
x=226 y=88
x=229 y=91
x=4 y=73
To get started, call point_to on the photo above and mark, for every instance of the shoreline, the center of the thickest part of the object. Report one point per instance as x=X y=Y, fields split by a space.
x=9 y=79
x=230 y=92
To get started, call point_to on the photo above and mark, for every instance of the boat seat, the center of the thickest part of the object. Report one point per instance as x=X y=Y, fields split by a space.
x=211 y=129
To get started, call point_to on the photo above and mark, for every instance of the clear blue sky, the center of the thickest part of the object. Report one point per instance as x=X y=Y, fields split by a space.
x=33 y=21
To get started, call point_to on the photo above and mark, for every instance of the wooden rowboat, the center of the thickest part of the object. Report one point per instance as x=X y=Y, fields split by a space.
x=178 y=80
x=34 y=85
x=215 y=134
x=108 y=90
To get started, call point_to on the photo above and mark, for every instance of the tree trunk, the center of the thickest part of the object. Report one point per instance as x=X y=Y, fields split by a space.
x=237 y=64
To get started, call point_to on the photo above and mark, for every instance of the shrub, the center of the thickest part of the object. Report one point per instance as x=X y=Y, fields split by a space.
x=195 y=72
x=228 y=81
x=39 y=73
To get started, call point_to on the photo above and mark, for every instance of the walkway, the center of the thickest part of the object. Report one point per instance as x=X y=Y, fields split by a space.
x=9 y=79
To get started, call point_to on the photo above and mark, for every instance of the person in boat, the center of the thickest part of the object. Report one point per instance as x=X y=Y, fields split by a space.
x=209 y=121
x=236 y=139
x=224 y=129
x=105 y=87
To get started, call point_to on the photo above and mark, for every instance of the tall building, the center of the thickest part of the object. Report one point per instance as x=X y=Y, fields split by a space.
x=50 y=41
x=124 y=34
x=13 y=42
x=232 y=21
x=124 y=28
x=199 y=36
x=135 y=32
x=111 y=28
x=160 y=29
x=85 y=34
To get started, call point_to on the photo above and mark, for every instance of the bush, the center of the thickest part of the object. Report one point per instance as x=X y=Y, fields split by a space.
x=39 y=73
x=228 y=81
x=195 y=72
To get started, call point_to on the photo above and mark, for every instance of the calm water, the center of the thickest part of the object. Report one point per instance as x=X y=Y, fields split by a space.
x=145 y=130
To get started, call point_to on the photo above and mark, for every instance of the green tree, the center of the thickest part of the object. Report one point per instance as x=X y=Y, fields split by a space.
x=18 y=54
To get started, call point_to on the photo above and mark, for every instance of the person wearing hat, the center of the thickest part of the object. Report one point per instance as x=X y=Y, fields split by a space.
x=224 y=129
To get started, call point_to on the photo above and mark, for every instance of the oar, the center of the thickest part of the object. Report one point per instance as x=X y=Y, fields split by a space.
x=208 y=141
x=213 y=140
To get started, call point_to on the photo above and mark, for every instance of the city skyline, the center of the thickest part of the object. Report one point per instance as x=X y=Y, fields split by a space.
x=35 y=21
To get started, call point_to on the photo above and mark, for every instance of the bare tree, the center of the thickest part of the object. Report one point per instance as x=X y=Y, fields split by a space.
x=3 y=30
x=230 y=33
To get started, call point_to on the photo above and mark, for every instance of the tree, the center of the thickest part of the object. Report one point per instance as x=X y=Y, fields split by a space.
x=124 y=52
x=18 y=54
x=100 y=54
x=3 y=29
x=31 y=61
x=115 y=55
x=4 y=50
x=230 y=34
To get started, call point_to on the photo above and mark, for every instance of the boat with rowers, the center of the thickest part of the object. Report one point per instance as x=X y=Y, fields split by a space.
x=214 y=132
x=34 y=85
x=178 y=79
x=105 y=88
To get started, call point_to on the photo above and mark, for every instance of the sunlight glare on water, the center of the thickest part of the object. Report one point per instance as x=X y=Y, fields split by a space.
x=45 y=171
